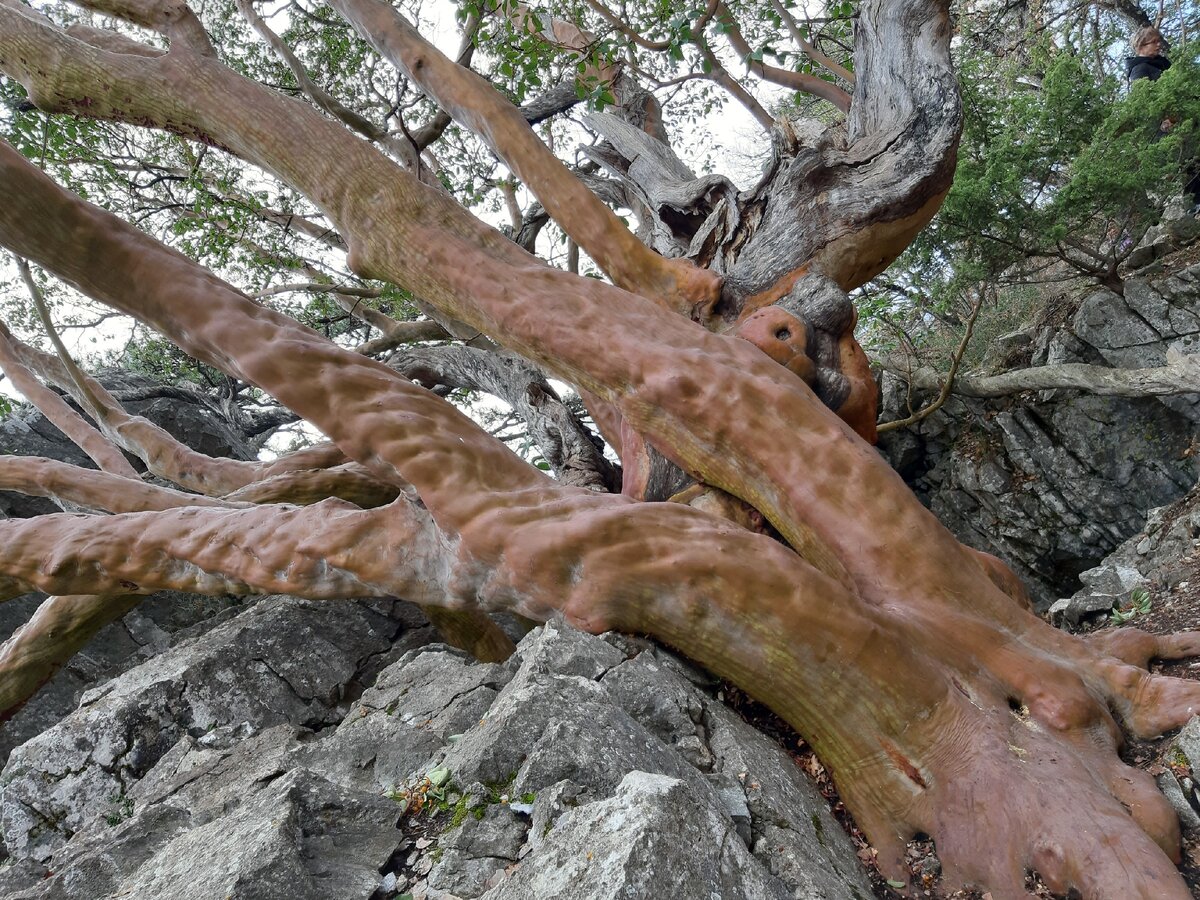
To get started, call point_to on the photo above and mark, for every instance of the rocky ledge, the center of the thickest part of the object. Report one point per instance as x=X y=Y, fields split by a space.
x=254 y=762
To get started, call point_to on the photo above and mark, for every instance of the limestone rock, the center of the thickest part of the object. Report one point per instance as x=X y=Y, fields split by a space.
x=1159 y=556
x=653 y=838
x=1176 y=796
x=213 y=771
x=281 y=661
x=1188 y=741
x=1054 y=483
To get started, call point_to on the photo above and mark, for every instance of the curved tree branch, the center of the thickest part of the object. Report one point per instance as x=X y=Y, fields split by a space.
x=317 y=288
x=349 y=482
x=396 y=333
x=809 y=50
x=797 y=81
x=56 y=410
x=401 y=150
x=173 y=19
x=483 y=110
x=948 y=387
x=58 y=629
x=63 y=482
x=169 y=458
x=86 y=398
x=259 y=550
x=719 y=75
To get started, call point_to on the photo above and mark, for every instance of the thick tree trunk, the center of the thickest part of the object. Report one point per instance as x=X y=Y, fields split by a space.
x=941 y=705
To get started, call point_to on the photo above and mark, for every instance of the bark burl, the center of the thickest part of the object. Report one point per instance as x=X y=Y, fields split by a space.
x=794 y=561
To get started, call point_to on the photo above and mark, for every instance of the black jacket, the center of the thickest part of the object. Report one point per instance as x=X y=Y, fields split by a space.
x=1145 y=67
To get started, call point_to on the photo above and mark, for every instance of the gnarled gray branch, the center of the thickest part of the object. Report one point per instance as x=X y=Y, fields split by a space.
x=1179 y=377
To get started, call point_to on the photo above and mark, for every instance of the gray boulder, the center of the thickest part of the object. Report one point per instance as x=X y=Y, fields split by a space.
x=281 y=661
x=162 y=619
x=654 y=837
x=1160 y=556
x=222 y=768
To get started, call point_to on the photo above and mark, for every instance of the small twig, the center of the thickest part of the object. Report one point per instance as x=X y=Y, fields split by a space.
x=948 y=387
x=95 y=407
x=317 y=288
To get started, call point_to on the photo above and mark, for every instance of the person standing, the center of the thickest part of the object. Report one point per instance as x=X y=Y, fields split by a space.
x=1148 y=60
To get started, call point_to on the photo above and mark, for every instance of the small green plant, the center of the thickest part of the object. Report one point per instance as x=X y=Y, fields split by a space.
x=1179 y=759
x=1138 y=604
x=122 y=809
x=460 y=813
x=427 y=794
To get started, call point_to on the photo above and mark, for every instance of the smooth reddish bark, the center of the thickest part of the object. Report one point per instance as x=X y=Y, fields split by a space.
x=939 y=702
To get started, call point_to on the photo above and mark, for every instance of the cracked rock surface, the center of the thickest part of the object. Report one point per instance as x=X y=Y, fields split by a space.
x=281 y=661
x=163 y=618
x=1055 y=482
x=306 y=750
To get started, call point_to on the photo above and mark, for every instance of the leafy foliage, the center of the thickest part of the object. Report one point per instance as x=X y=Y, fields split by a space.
x=1138 y=604
x=1062 y=169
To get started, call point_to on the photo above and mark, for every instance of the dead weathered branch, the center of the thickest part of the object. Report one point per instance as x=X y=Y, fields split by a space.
x=569 y=450
x=1181 y=376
